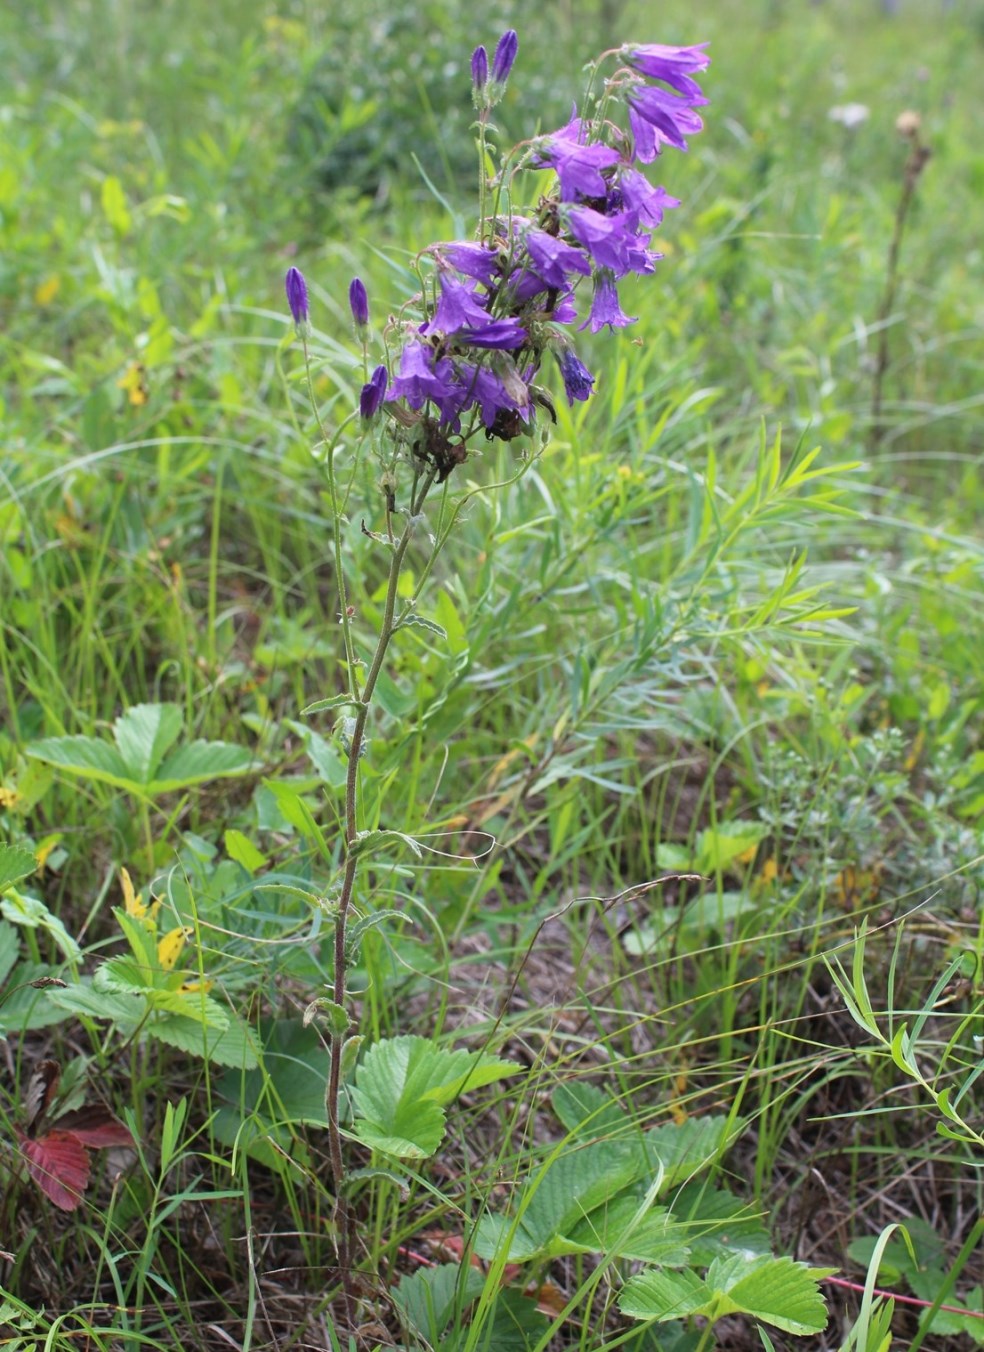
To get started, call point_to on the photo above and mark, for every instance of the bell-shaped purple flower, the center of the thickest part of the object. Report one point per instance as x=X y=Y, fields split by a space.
x=457 y=307
x=578 y=167
x=359 y=303
x=503 y=334
x=658 y=118
x=611 y=241
x=373 y=392
x=646 y=202
x=421 y=378
x=553 y=260
x=472 y=260
x=297 y=295
x=672 y=65
x=578 y=380
x=605 y=307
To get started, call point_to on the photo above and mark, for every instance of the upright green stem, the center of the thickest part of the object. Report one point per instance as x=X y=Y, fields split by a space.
x=387 y=628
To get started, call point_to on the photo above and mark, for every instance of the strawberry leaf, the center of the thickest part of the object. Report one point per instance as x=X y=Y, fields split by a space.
x=58 y=1163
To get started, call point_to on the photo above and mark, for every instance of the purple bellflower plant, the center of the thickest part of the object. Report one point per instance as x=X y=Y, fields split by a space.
x=462 y=367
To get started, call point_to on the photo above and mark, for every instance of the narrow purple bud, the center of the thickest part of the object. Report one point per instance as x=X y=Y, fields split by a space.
x=578 y=380
x=505 y=55
x=297 y=295
x=372 y=392
x=480 y=69
x=359 y=303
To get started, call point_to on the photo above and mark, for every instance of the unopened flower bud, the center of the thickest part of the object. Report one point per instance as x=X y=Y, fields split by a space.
x=479 y=70
x=505 y=55
x=297 y=295
x=359 y=303
x=372 y=392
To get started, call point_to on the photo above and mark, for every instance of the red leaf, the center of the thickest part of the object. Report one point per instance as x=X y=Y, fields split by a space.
x=41 y=1089
x=95 y=1127
x=58 y=1162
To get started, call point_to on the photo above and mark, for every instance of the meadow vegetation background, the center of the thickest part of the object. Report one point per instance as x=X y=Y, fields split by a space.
x=668 y=651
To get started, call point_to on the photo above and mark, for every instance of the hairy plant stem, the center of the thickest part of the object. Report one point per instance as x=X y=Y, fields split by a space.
x=918 y=157
x=362 y=699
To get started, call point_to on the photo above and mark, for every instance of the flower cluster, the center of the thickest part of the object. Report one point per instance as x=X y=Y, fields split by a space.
x=471 y=345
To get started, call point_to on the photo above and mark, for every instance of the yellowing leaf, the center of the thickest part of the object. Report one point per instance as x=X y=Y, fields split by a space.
x=114 y=205
x=8 y=797
x=169 y=948
x=134 y=381
x=204 y=986
x=133 y=902
x=46 y=291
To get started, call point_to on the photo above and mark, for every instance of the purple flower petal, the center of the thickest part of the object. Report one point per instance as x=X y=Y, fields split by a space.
x=578 y=380
x=500 y=333
x=457 y=307
x=657 y=118
x=373 y=392
x=605 y=307
x=420 y=377
x=553 y=260
x=671 y=65
x=611 y=241
x=472 y=260
x=578 y=167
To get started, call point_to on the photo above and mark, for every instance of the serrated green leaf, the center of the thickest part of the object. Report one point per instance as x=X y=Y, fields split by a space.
x=427 y=1299
x=143 y=735
x=403 y=1080
x=85 y=756
x=558 y=1200
x=778 y=1291
x=82 y=999
x=233 y=1046
x=663 y=1295
x=201 y=761
x=578 y=1104
x=193 y=1005
x=16 y=862
x=684 y=1148
x=618 y=1230
x=416 y=1133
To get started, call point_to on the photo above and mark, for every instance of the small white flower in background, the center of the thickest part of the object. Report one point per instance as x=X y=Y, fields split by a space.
x=850 y=115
